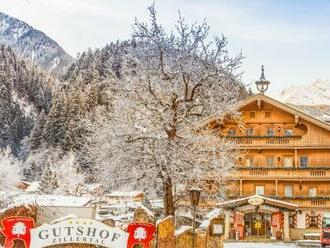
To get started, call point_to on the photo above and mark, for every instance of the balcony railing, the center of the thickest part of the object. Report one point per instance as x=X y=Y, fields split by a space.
x=302 y=201
x=265 y=140
x=282 y=173
x=306 y=201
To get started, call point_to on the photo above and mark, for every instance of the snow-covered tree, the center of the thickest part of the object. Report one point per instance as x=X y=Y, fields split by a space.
x=70 y=179
x=57 y=172
x=10 y=172
x=48 y=181
x=25 y=91
x=170 y=83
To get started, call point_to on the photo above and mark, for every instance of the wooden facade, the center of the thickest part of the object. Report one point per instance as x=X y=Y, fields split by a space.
x=285 y=155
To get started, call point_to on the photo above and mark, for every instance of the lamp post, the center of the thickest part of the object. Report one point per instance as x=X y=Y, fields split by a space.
x=194 y=200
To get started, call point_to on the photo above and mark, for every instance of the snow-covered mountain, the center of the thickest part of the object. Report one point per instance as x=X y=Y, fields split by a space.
x=33 y=45
x=317 y=93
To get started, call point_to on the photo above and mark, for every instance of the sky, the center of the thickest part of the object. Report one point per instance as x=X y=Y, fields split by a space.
x=291 y=38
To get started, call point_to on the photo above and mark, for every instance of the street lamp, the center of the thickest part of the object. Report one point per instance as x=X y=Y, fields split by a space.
x=262 y=83
x=194 y=200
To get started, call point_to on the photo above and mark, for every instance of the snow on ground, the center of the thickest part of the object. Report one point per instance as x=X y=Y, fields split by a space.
x=267 y=245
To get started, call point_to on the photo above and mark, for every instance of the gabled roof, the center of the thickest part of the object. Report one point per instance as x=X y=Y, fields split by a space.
x=286 y=107
x=265 y=200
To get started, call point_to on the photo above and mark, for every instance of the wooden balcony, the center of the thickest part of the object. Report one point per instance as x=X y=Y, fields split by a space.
x=280 y=173
x=308 y=202
x=301 y=201
x=274 y=141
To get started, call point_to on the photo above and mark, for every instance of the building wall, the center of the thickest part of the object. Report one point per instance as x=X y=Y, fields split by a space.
x=299 y=189
x=316 y=158
x=308 y=140
x=50 y=213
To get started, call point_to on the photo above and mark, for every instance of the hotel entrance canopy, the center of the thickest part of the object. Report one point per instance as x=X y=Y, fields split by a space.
x=262 y=203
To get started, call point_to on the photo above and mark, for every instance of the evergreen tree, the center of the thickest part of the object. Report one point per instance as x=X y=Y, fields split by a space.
x=24 y=92
x=48 y=182
x=37 y=137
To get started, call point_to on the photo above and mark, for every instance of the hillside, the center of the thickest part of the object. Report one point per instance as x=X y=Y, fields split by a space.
x=33 y=45
x=25 y=93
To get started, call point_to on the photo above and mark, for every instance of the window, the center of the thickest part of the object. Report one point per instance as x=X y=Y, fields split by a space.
x=303 y=162
x=270 y=132
x=326 y=222
x=252 y=114
x=288 y=132
x=270 y=161
x=291 y=220
x=260 y=190
x=288 y=162
x=268 y=114
x=312 y=220
x=249 y=132
x=288 y=191
x=312 y=192
x=248 y=162
x=231 y=132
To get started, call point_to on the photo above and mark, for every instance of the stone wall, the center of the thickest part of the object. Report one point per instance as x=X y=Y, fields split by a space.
x=167 y=237
x=298 y=234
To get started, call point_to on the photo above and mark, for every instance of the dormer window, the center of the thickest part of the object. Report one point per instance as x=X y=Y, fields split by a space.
x=232 y=132
x=288 y=132
x=270 y=132
x=249 y=132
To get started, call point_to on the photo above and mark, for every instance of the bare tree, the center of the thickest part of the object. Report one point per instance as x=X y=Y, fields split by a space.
x=171 y=82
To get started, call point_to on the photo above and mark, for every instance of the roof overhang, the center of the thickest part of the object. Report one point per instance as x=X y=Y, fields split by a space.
x=257 y=200
x=285 y=107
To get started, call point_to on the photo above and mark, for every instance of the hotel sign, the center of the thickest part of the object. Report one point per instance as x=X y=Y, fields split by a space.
x=78 y=231
x=256 y=201
x=75 y=231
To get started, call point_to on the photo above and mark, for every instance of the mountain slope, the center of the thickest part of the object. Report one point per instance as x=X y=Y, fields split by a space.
x=33 y=45
x=25 y=93
x=316 y=93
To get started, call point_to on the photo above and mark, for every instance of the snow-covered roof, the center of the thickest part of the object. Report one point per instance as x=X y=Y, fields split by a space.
x=125 y=193
x=182 y=229
x=33 y=187
x=158 y=203
x=269 y=201
x=92 y=187
x=121 y=217
x=209 y=216
x=122 y=205
x=16 y=199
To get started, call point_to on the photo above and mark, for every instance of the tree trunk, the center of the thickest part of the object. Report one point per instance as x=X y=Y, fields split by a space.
x=168 y=197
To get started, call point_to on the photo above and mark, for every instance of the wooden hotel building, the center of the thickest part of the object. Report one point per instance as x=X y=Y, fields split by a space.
x=281 y=187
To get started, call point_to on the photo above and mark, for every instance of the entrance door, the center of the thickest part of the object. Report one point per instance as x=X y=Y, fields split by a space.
x=258 y=225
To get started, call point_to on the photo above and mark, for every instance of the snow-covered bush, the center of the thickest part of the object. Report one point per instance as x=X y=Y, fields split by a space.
x=10 y=172
x=56 y=171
